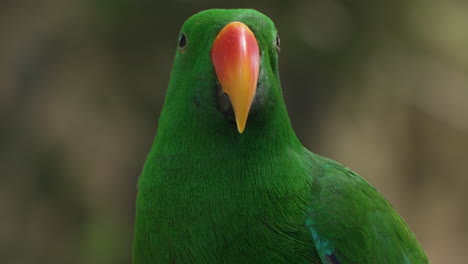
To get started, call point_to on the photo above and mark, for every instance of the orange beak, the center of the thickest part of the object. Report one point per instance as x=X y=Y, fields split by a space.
x=236 y=59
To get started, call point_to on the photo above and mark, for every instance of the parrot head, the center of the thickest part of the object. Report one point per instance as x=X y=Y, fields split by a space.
x=228 y=61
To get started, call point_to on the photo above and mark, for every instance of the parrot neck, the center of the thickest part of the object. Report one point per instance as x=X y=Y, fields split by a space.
x=268 y=129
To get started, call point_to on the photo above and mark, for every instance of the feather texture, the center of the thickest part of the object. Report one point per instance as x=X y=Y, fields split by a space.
x=208 y=194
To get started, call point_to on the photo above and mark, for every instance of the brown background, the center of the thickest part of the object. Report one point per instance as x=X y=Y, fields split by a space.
x=381 y=86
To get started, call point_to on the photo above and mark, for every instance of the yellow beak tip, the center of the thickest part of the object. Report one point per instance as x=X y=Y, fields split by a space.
x=240 y=128
x=241 y=122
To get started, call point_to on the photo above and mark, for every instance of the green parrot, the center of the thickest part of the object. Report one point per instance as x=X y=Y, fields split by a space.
x=228 y=181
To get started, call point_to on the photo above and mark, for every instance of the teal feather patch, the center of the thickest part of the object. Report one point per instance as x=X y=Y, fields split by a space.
x=322 y=245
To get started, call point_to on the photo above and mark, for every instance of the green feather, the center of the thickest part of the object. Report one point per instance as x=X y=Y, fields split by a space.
x=208 y=194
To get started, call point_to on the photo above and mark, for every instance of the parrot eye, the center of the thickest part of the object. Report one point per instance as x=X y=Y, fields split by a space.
x=182 y=41
x=278 y=42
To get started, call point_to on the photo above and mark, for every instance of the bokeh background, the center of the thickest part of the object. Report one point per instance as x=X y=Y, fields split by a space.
x=381 y=86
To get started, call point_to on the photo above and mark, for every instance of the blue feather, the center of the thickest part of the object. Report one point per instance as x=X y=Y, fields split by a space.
x=322 y=245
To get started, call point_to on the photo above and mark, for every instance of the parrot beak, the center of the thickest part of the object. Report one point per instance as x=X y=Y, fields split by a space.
x=236 y=59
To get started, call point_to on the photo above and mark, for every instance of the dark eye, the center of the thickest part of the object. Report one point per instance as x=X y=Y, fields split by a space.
x=278 y=42
x=182 y=41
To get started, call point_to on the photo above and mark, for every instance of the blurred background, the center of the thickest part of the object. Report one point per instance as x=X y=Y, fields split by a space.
x=380 y=86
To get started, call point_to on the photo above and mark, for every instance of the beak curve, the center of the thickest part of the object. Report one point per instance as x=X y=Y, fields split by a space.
x=236 y=58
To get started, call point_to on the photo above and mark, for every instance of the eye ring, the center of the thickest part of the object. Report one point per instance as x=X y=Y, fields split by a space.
x=182 y=41
x=277 y=42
